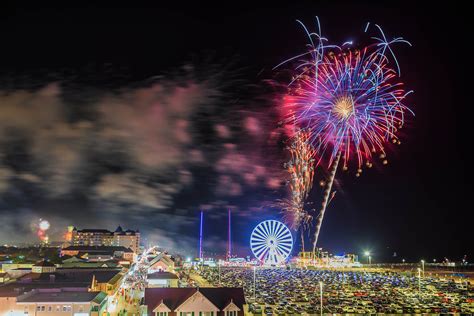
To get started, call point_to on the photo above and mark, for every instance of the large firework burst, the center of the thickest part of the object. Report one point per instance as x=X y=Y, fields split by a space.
x=351 y=101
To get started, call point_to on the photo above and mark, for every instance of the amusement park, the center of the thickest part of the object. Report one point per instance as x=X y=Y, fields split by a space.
x=272 y=245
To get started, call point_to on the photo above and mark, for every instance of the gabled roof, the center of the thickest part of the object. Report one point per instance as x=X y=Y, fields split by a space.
x=171 y=297
x=166 y=259
x=204 y=303
x=221 y=297
x=174 y=297
x=161 y=308
x=73 y=259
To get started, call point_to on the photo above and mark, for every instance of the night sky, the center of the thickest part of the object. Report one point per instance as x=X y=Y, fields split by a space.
x=141 y=117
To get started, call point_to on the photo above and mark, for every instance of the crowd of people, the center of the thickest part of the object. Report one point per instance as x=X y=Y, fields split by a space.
x=299 y=291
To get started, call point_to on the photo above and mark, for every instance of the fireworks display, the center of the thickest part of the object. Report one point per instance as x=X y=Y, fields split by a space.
x=350 y=100
x=301 y=170
x=42 y=227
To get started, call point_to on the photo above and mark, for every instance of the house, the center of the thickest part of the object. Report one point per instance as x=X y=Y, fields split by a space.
x=43 y=267
x=162 y=279
x=194 y=302
x=61 y=302
x=8 y=297
x=75 y=262
x=161 y=262
x=97 y=279
x=4 y=277
x=99 y=253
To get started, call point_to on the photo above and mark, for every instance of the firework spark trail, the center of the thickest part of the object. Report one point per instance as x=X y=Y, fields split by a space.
x=300 y=168
x=350 y=100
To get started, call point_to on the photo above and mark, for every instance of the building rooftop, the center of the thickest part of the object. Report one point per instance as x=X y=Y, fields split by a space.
x=97 y=249
x=93 y=230
x=162 y=257
x=44 y=263
x=119 y=230
x=162 y=276
x=63 y=296
x=174 y=297
x=82 y=275
x=15 y=289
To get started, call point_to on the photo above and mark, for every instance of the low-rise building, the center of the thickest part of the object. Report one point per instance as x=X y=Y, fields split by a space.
x=162 y=262
x=99 y=279
x=61 y=302
x=4 y=277
x=99 y=253
x=194 y=301
x=51 y=300
x=75 y=262
x=162 y=279
x=43 y=267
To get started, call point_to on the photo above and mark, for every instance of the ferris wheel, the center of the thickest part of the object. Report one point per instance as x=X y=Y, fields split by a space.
x=271 y=242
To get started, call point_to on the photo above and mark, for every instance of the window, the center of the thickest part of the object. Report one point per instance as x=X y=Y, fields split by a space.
x=231 y=313
x=50 y=308
x=161 y=313
x=38 y=308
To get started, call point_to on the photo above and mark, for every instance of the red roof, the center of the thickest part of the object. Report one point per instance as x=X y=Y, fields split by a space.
x=174 y=297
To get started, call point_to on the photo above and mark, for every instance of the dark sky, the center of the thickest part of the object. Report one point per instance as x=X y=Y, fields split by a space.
x=78 y=64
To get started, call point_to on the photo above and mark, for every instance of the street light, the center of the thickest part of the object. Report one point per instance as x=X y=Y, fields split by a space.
x=419 y=280
x=423 y=267
x=369 y=258
x=254 y=283
x=219 y=266
x=321 y=295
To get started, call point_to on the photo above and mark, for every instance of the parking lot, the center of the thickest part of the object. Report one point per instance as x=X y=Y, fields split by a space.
x=280 y=291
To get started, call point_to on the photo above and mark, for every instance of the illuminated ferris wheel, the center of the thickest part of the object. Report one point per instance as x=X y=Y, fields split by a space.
x=271 y=242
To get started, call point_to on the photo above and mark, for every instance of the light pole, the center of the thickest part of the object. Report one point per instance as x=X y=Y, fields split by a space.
x=219 y=267
x=343 y=276
x=321 y=296
x=423 y=267
x=254 y=283
x=419 y=280
x=369 y=258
